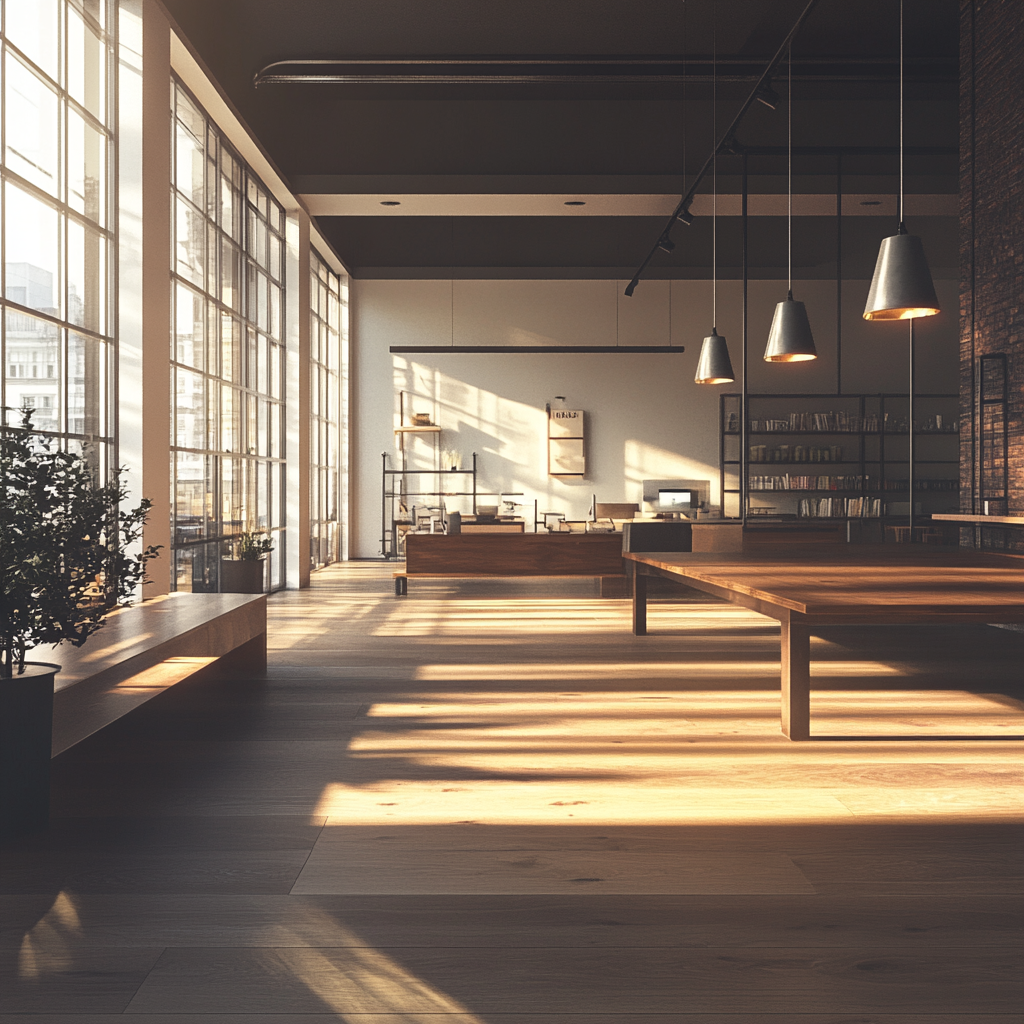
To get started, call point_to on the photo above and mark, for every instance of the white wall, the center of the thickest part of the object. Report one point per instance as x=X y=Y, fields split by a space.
x=645 y=416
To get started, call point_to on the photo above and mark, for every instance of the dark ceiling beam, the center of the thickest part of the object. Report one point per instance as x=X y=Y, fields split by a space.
x=589 y=71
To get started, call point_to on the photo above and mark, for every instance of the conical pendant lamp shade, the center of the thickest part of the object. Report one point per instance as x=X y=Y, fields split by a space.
x=901 y=288
x=790 y=339
x=714 y=365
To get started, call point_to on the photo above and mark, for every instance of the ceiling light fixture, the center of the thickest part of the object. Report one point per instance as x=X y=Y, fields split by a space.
x=685 y=217
x=575 y=202
x=790 y=339
x=902 y=286
x=390 y=202
x=714 y=365
x=666 y=244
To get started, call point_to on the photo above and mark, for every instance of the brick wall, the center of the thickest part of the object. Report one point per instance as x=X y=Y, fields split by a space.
x=991 y=227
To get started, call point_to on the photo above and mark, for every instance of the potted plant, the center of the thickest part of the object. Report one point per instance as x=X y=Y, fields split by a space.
x=244 y=573
x=63 y=566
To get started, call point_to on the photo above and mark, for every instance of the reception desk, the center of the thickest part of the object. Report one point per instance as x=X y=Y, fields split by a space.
x=488 y=555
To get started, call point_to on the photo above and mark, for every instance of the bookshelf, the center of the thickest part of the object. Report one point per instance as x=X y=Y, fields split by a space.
x=838 y=456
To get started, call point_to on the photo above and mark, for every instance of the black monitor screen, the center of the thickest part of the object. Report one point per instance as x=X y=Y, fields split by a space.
x=674 y=499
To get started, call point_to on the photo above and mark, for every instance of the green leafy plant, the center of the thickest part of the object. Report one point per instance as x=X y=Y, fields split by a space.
x=254 y=545
x=63 y=545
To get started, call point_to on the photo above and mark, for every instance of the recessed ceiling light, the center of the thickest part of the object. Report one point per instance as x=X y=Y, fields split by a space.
x=575 y=202
x=870 y=202
x=390 y=202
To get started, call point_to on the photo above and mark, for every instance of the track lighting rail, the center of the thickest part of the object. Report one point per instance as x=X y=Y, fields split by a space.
x=727 y=142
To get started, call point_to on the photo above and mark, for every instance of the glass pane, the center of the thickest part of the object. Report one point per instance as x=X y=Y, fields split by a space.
x=33 y=127
x=230 y=275
x=189 y=409
x=232 y=495
x=262 y=360
x=193 y=498
x=275 y=431
x=189 y=319
x=32 y=359
x=189 y=165
x=230 y=419
x=33 y=28
x=251 y=431
x=87 y=154
x=275 y=258
x=32 y=266
x=190 y=237
x=212 y=419
x=262 y=496
x=87 y=407
x=231 y=349
x=263 y=439
x=276 y=518
x=87 y=277
x=211 y=185
x=251 y=360
x=275 y=371
x=86 y=66
x=275 y=310
x=262 y=306
x=189 y=115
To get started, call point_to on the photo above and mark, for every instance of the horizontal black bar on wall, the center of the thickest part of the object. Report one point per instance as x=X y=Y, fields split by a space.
x=535 y=349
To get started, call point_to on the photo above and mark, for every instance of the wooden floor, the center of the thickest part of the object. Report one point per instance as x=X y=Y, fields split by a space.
x=489 y=803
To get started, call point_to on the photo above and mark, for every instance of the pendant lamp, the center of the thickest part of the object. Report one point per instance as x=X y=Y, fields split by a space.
x=790 y=339
x=901 y=286
x=714 y=365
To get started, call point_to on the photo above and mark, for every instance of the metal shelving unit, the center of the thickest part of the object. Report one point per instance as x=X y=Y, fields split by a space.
x=872 y=460
x=395 y=494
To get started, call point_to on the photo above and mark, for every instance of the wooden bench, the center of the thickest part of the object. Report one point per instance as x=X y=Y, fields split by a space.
x=143 y=650
x=476 y=556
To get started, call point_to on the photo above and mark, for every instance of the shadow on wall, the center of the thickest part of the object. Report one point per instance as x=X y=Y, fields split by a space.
x=509 y=432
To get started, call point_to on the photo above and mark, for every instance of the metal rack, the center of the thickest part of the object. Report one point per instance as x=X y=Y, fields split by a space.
x=394 y=494
x=876 y=462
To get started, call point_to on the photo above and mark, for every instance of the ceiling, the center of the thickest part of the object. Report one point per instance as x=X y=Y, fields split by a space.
x=482 y=166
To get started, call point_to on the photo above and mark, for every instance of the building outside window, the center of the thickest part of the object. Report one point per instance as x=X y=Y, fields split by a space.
x=58 y=198
x=227 y=354
x=326 y=355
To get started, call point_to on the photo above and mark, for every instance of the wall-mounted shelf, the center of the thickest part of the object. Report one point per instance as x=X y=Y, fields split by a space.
x=433 y=429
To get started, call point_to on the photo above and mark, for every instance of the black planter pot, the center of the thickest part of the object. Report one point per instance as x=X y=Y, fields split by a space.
x=237 y=577
x=26 y=735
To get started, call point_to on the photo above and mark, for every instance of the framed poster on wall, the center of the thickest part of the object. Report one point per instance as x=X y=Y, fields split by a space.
x=566 y=436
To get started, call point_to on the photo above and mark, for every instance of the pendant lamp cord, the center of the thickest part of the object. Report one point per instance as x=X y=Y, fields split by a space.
x=789 y=161
x=714 y=167
x=899 y=212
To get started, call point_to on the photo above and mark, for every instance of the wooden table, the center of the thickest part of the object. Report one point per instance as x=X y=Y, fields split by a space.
x=859 y=584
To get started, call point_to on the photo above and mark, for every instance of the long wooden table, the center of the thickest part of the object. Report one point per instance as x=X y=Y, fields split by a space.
x=861 y=584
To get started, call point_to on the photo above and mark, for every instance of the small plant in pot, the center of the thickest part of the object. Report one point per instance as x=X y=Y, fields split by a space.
x=64 y=564
x=244 y=573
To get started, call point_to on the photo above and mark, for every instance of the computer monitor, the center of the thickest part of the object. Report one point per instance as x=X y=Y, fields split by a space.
x=673 y=500
x=680 y=496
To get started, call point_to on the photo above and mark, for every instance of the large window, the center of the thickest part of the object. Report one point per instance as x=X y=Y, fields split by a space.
x=325 y=343
x=57 y=212
x=227 y=354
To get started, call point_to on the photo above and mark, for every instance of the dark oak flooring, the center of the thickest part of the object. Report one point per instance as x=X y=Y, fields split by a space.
x=489 y=803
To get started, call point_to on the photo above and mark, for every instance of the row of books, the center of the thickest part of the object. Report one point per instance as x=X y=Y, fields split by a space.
x=796 y=453
x=922 y=485
x=846 y=423
x=791 y=482
x=840 y=508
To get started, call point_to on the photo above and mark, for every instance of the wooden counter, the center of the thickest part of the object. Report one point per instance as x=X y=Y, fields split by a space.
x=468 y=556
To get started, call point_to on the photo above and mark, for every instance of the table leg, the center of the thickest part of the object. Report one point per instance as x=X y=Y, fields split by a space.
x=639 y=604
x=796 y=680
